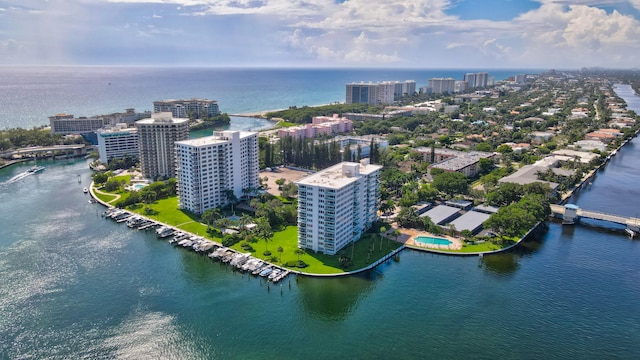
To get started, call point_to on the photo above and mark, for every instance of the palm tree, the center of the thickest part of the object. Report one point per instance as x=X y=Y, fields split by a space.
x=222 y=224
x=232 y=198
x=149 y=196
x=382 y=231
x=245 y=220
x=263 y=230
x=280 y=250
x=396 y=233
x=299 y=252
x=210 y=216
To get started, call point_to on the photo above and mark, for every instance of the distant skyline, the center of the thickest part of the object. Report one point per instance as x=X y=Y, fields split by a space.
x=473 y=34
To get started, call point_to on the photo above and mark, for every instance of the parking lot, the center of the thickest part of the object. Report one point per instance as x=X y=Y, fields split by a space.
x=274 y=174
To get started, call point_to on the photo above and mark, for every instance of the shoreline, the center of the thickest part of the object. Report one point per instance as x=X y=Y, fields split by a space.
x=262 y=114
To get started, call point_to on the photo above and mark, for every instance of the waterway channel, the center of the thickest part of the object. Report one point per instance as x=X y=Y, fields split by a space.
x=76 y=285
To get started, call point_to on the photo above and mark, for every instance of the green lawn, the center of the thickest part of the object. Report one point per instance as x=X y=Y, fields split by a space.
x=126 y=179
x=320 y=263
x=285 y=124
x=484 y=247
x=166 y=211
x=105 y=197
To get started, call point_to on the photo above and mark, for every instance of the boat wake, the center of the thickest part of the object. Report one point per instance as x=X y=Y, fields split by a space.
x=31 y=171
x=18 y=177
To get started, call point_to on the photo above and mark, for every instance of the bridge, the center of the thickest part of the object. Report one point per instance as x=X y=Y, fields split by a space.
x=47 y=151
x=571 y=213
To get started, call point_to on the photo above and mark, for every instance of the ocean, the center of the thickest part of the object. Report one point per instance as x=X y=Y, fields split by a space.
x=74 y=285
x=29 y=95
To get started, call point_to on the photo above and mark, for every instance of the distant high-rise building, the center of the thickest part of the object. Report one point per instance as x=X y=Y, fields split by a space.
x=384 y=92
x=210 y=166
x=442 y=85
x=183 y=108
x=521 y=79
x=156 y=139
x=470 y=79
x=116 y=142
x=361 y=93
x=337 y=205
x=460 y=86
x=476 y=80
x=482 y=79
x=67 y=124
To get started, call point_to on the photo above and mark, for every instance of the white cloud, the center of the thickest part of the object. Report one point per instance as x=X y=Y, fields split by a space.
x=353 y=32
x=580 y=35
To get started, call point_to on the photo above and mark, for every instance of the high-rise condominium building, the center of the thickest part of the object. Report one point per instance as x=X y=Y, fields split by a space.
x=156 y=138
x=476 y=80
x=337 y=205
x=362 y=93
x=441 y=85
x=183 y=108
x=208 y=167
x=385 y=92
x=114 y=143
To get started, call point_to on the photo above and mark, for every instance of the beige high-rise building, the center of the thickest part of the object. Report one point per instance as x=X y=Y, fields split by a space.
x=157 y=137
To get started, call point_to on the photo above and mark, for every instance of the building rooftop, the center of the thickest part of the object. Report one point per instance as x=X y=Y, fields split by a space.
x=162 y=117
x=486 y=209
x=218 y=137
x=471 y=220
x=441 y=213
x=339 y=175
x=527 y=175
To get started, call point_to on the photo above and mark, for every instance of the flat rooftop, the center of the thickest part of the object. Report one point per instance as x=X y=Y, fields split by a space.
x=471 y=220
x=441 y=213
x=215 y=139
x=335 y=177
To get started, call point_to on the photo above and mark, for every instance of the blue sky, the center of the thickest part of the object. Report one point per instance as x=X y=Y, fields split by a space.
x=559 y=34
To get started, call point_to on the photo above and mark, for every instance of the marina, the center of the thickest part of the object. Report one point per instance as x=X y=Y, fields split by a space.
x=242 y=262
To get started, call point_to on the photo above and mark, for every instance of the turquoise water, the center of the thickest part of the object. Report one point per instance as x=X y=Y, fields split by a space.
x=139 y=186
x=432 y=240
x=31 y=94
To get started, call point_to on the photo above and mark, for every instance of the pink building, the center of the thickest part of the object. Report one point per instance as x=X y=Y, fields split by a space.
x=320 y=125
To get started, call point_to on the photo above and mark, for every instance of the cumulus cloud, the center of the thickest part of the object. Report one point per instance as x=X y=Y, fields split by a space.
x=580 y=35
x=363 y=32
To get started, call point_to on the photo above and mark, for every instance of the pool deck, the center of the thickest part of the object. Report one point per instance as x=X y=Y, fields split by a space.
x=410 y=235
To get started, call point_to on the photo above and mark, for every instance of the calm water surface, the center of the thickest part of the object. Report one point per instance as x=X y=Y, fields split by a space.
x=75 y=285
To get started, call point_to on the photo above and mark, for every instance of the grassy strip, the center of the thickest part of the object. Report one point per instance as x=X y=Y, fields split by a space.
x=105 y=197
x=484 y=247
x=126 y=179
x=166 y=211
x=320 y=263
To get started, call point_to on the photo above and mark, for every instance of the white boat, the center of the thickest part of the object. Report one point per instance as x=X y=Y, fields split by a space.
x=85 y=190
x=274 y=274
x=164 y=231
x=630 y=232
x=266 y=271
x=35 y=169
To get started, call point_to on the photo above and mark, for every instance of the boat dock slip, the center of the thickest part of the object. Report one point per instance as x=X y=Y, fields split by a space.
x=242 y=261
x=571 y=213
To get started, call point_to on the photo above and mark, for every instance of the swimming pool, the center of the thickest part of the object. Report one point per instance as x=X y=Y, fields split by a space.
x=432 y=240
x=139 y=186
